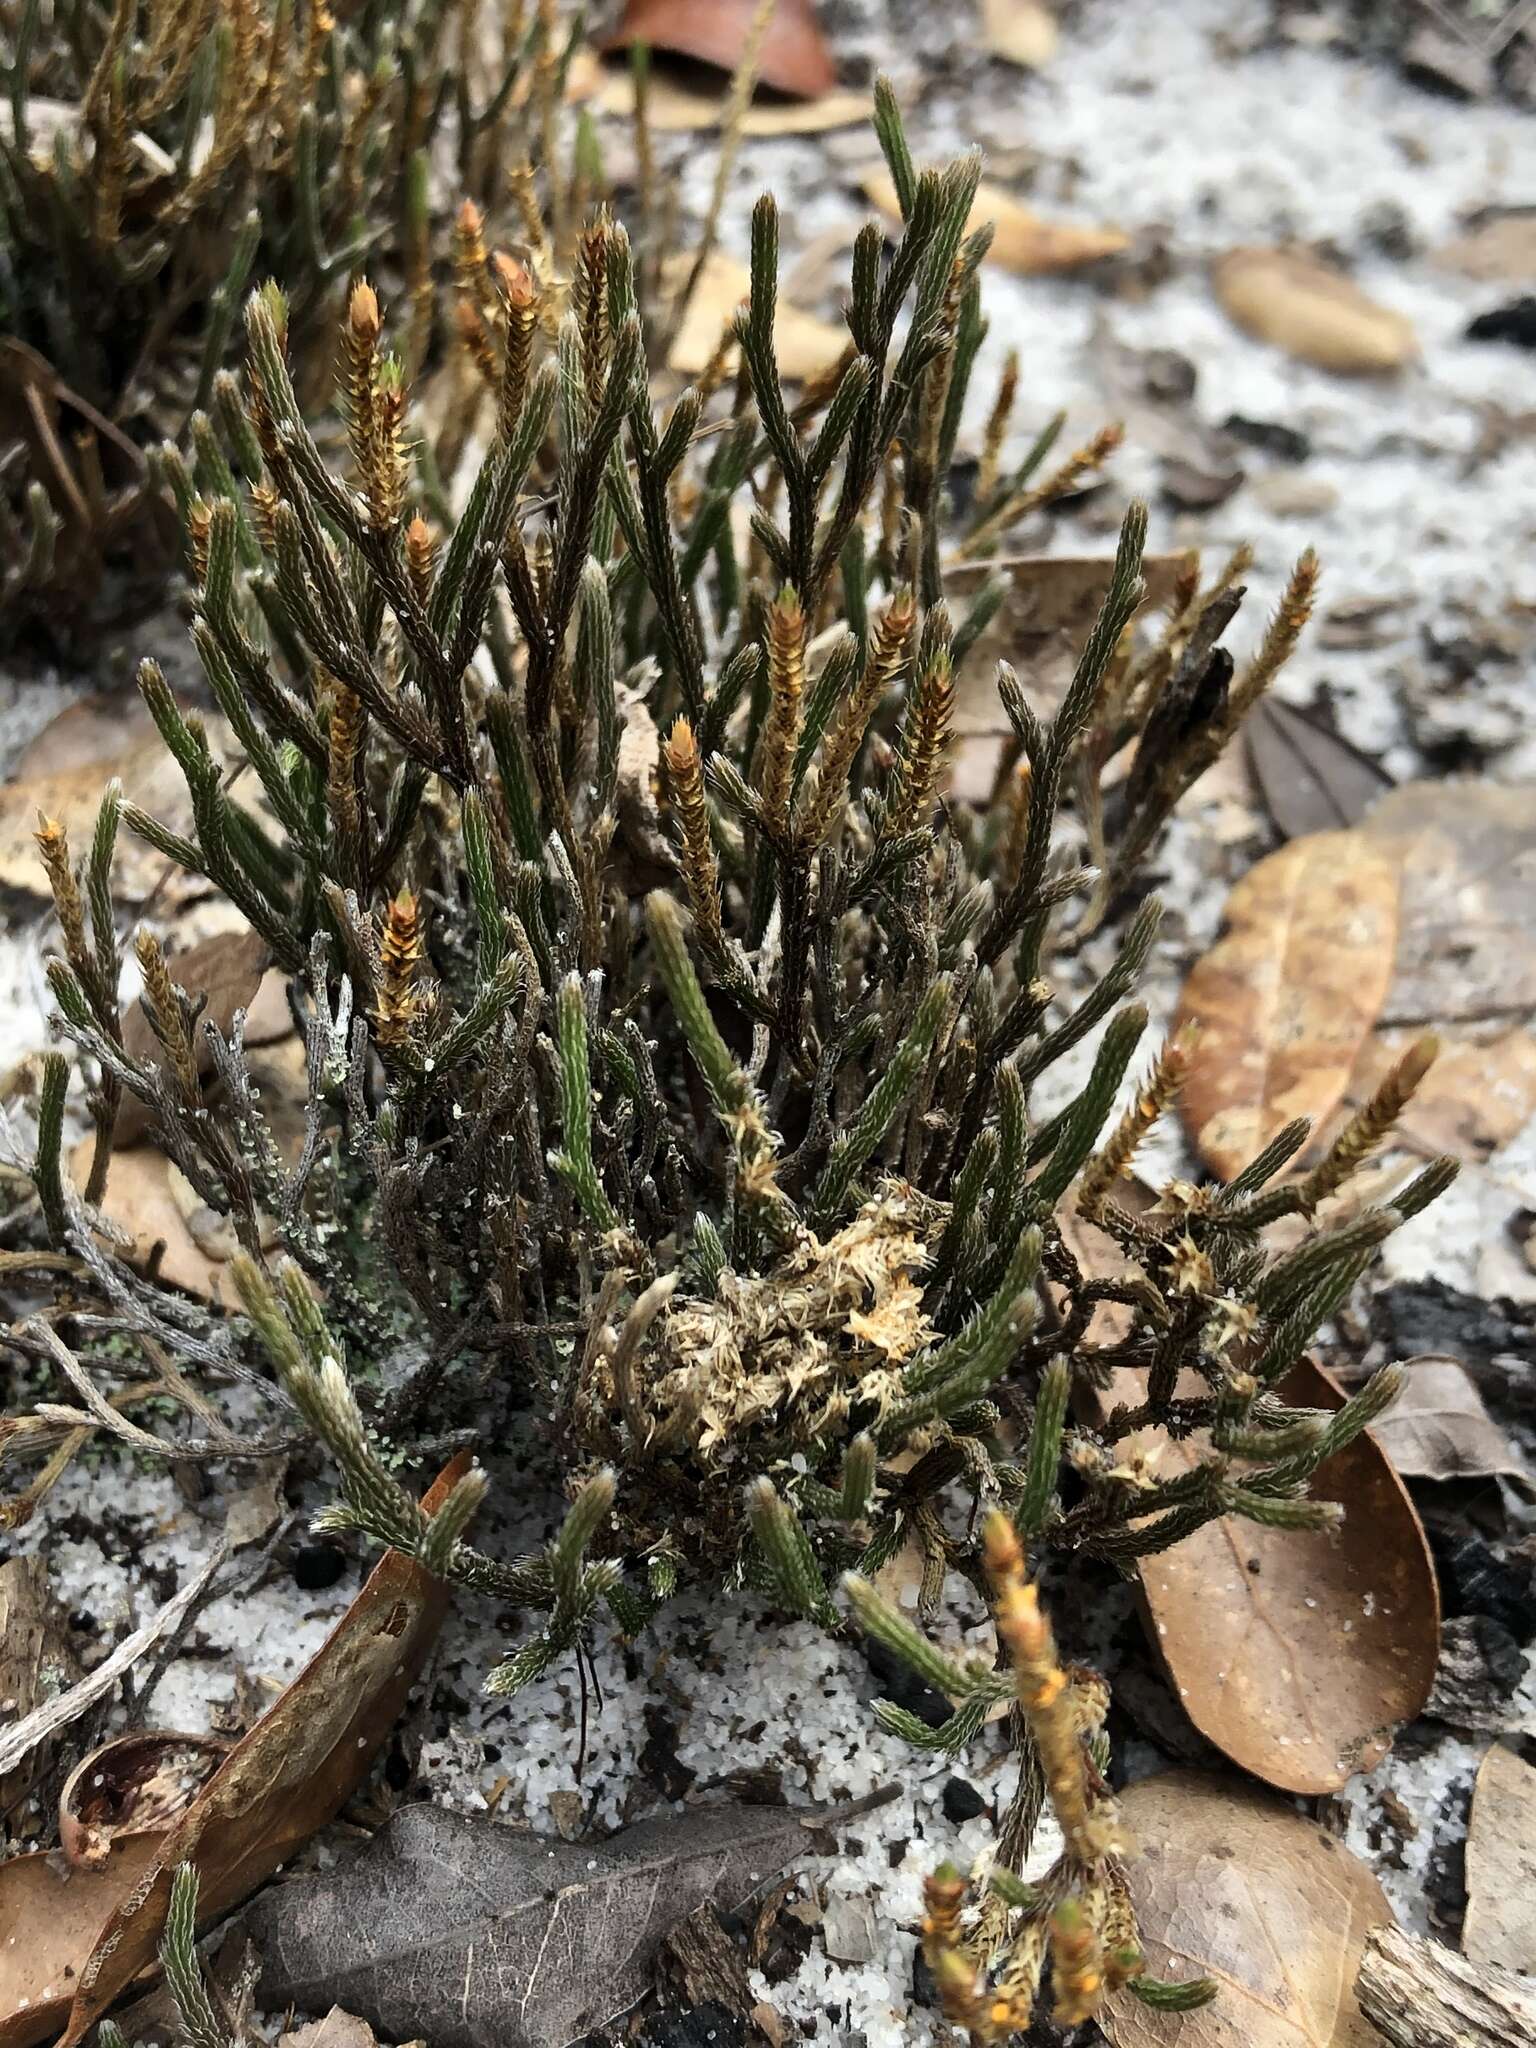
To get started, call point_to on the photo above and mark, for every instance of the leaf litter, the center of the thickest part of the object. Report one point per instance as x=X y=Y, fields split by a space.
x=1234 y=1884
x=92 y=1933
x=479 y=1935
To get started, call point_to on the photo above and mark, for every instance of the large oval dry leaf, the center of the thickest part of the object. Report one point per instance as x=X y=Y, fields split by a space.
x=1021 y=241
x=1235 y=1885
x=1500 y=1926
x=1288 y=997
x=1311 y=311
x=284 y=1780
x=1297 y=1652
x=794 y=56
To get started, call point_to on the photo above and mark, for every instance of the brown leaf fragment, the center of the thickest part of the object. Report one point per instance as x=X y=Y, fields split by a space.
x=37 y=1663
x=479 y=1935
x=1287 y=997
x=1298 y=1652
x=1500 y=1927
x=1438 y=1428
x=1233 y=1884
x=678 y=107
x=1478 y=1094
x=1021 y=242
x=1466 y=852
x=794 y=56
x=805 y=344
x=337 y=2030
x=1421 y=1994
x=1313 y=312
x=62 y=774
x=285 y=1779
x=49 y=1917
x=1021 y=32
x=1310 y=778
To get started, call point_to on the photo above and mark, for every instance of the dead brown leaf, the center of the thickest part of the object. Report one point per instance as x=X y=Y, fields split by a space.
x=1313 y=312
x=1021 y=32
x=51 y=1915
x=1467 y=942
x=794 y=56
x=1236 y=1885
x=285 y=1779
x=62 y=772
x=674 y=107
x=806 y=346
x=134 y=1784
x=1500 y=1926
x=1287 y=998
x=1438 y=1428
x=1022 y=242
x=1298 y=1652
x=1310 y=778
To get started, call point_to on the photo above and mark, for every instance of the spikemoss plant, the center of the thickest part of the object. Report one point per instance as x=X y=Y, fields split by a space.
x=155 y=155
x=675 y=1040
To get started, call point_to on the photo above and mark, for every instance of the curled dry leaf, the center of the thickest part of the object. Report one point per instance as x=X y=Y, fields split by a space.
x=806 y=346
x=794 y=56
x=1438 y=1428
x=1288 y=997
x=136 y=1784
x=1316 y=314
x=92 y=1937
x=1500 y=1927
x=479 y=1935
x=1299 y=1652
x=1233 y=1884
x=1021 y=32
x=1021 y=242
